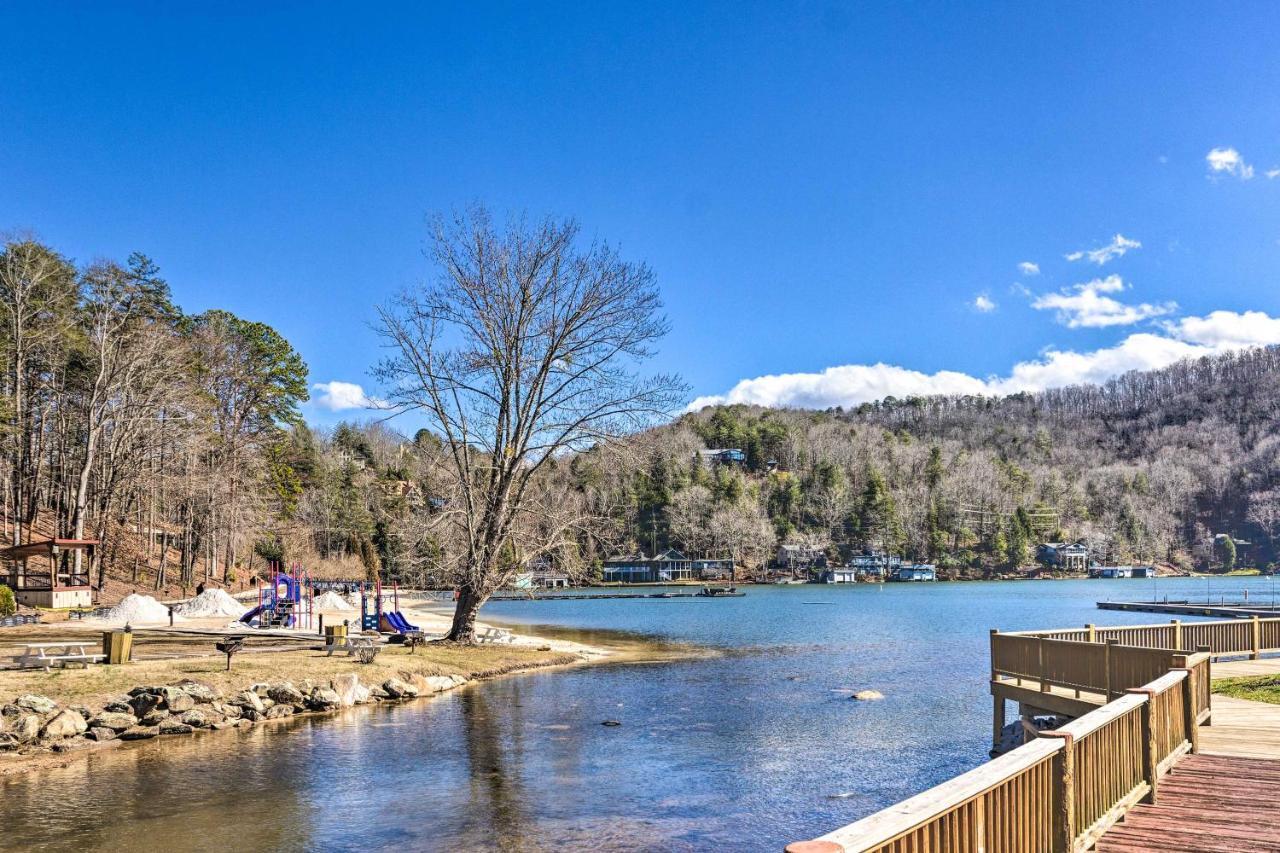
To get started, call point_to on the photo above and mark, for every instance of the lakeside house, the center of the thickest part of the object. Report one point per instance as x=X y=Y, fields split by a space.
x=916 y=572
x=799 y=556
x=715 y=569
x=540 y=574
x=875 y=564
x=670 y=565
x=1123 y=572
x=1068 y=556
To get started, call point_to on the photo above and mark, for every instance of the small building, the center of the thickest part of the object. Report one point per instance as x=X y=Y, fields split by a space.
x=843 y=574
x=55 y=582
x=916 y=572
x=1123 y=572
x=1068 y=556
x=637 y=568
x=721 y=456
x=713 y=569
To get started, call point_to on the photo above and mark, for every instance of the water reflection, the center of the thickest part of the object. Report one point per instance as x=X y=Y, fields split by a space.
x=745 y=750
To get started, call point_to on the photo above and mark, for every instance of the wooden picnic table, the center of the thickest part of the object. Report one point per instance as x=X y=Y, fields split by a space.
x=352 y=644
x=67 y=651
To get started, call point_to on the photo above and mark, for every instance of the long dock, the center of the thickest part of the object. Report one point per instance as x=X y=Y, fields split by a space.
x=1223 y=609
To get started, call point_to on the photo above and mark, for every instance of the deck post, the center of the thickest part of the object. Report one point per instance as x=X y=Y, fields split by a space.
x=997 y=721
x=1044 y=684
x=1106 y=664
x=1064 y=793
x=1148 y=742
x=1189 y=722
x=1257 y=638
x=1177 y=634
x=1093 y=634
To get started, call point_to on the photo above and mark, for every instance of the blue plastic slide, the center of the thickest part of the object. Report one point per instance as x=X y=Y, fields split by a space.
x=251 y=615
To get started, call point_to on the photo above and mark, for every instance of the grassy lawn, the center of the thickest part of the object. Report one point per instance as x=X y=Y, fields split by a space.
x=99 y=684
x=1259 y=688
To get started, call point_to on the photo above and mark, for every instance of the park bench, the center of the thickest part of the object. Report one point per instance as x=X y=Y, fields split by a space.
x=45 y=655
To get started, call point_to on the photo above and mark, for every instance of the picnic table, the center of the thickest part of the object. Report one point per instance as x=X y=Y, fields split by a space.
x=45 y=655
x=352 y=644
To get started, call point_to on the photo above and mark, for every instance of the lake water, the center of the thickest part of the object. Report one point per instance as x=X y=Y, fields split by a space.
x=747 y=749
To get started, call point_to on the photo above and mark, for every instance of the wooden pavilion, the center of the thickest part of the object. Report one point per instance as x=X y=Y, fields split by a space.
x=54 y=581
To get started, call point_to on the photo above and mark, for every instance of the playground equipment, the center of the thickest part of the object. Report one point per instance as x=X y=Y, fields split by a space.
x=286 y=603
x=374 y=619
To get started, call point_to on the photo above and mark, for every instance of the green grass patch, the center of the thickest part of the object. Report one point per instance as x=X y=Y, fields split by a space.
x=1259 y=688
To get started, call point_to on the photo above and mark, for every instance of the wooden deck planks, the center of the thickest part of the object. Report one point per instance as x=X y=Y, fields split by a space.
x=1209 y=803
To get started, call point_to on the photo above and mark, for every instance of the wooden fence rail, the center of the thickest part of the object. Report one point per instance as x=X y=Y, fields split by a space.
x=1061 y=791
x=1253 y=636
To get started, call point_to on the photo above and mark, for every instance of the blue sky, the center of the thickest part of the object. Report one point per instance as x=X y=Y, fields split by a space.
x=824 y=190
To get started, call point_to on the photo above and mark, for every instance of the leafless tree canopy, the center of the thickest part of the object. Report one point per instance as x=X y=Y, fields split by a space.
x=526 y=346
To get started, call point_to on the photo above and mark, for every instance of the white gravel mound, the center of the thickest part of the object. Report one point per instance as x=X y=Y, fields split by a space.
x=212 y=602
x=332 y=601
x=139 y=609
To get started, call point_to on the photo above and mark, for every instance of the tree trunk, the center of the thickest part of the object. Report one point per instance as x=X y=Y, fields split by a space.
x=463 y=629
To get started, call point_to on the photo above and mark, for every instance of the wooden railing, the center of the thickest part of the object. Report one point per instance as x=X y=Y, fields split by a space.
x=1059 y=792
x=1107 y=669
x=1252 y=636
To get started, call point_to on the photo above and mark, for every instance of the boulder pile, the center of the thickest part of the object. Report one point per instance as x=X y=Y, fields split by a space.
x=32 y=723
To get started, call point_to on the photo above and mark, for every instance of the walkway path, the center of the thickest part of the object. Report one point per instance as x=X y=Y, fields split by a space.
x=1209 y=803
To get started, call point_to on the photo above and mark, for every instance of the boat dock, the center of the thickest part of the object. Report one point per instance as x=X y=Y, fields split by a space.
x=1222 y=609
x=604 y=595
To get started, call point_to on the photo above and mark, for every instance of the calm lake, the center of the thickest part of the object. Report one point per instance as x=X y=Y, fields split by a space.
x=747 y=749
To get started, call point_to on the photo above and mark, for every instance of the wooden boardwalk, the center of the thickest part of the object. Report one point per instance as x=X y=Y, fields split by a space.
x=1207 y=804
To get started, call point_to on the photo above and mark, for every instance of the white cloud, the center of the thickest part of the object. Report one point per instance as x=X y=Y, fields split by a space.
x=982 y=302
x=1029 y=268
x=850 y=385
x=1115 y=249
x=1084 y=306
x=341 y=396
x=1228 y=160
x=1272 y=174
x=1227 y=329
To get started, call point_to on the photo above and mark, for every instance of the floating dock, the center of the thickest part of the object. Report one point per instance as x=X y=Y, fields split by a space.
x=1221 y=609
x=603 y=595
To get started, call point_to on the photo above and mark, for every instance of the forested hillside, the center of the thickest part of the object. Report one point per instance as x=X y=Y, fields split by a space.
x=1148 y=467
x=177 y=440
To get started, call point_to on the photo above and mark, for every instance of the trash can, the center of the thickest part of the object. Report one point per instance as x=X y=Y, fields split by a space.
x=335 y=634
x=117 y=646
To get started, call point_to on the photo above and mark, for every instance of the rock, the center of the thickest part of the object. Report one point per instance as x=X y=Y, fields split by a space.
x=268 y=702
x=260 y=688
x=286 y=694
x=65 y=724
x=195 y=718
x=26 y=729
x=251 y=716
x=101 y=733
x=200 y=691
x=439 y=683
x=155 y=718
x=249 y=700
x=378 y=694
x=323 y=699
x=611 y=723
x=348 y=687
x=71 y=744
x=458 y=680
x=224 y=724
x=176 y=699
x=144 y=703
x=113 y=720
x=140 y=733
x=36 y=704
x=138 y=691
x=867 y=695
x=174 y=726
x=232 y=711
x=276 y=711
x=398 y=689
x=118 y=707
x=82 y=711
x=8 y=742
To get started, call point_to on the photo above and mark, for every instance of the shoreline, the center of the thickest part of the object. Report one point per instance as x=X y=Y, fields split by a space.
x=435 y=668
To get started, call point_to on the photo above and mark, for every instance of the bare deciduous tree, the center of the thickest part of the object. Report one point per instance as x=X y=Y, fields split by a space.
x=526 y=346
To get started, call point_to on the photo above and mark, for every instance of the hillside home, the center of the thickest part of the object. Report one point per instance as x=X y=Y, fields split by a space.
x=1067 y=556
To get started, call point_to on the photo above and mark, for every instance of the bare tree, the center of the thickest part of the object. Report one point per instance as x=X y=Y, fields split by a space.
x=525 y=347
